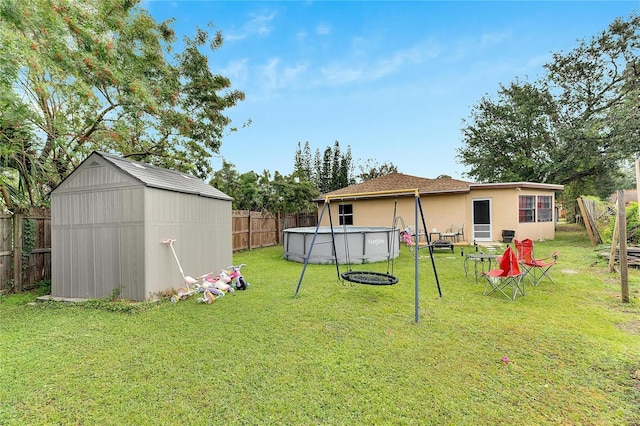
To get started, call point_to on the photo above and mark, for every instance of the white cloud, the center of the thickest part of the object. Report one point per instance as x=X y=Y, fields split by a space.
x=259 y=24
x=367 y=71
x=276 y=77
x=492 y=39
x=538 y=61
x=323 y=29
x=237 y=71
x=338 y=74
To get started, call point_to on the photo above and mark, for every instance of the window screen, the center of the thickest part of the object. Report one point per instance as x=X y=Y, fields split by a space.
x=527 y=208
x=544 y=208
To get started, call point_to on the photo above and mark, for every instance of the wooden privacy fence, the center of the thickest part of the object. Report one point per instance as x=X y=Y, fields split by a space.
x=25 y=249
x=23 y=265
x=262 y=229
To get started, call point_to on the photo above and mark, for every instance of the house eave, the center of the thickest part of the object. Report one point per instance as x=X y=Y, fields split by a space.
x=516 y=185
x=384 y=194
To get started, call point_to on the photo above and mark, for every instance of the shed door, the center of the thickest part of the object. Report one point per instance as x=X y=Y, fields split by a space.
x=482 y=219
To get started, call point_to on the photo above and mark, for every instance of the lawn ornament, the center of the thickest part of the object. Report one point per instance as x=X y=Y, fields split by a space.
x=237 y=280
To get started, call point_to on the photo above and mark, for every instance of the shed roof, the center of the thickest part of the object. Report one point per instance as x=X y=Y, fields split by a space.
x=161 y=178
x=443 y=185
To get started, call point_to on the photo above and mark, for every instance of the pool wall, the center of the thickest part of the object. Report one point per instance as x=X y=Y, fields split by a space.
x=362 y=243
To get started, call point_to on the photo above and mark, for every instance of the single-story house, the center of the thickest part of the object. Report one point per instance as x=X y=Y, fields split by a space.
x=110 y=217
x=484 y=209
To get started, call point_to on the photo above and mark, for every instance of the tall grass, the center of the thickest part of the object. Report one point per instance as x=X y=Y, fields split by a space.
x=336 y=354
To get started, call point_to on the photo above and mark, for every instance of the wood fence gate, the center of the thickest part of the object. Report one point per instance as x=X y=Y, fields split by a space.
x=25 y=249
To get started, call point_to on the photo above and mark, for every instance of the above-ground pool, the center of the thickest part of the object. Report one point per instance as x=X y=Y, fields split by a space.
x=353 y=244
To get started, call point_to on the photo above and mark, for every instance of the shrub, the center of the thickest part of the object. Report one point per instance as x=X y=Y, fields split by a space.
x=633 y=225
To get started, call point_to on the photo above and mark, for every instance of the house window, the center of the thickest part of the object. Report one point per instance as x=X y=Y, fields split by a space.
x=544 y=208
x=527 y=208
x=345 y=214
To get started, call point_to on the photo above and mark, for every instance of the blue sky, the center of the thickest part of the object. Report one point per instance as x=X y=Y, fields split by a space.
x=392 y=80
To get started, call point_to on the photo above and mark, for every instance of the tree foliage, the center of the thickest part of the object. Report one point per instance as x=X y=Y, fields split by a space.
x=279 y=193
x=576 y=127
x=328 y=171
x=334 y=169
x=511 y=139
x=371 y=169
x=102 y=75
x=312 y=175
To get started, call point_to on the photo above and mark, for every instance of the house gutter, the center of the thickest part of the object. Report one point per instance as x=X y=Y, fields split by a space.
x=508 y=185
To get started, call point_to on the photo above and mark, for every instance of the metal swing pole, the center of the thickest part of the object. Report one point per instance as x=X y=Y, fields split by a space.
x=313 y=240
x=333 y=244
x=416 y=271
x=391 y=244
x=433 y=262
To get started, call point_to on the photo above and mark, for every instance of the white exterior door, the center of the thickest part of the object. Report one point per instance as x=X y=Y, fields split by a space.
x=481 y=211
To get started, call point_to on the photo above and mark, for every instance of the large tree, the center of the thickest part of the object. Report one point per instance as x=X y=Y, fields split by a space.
x=596 y=85
x=576 y=127
x=102 y=75
x=511 y=138
x=331 y=170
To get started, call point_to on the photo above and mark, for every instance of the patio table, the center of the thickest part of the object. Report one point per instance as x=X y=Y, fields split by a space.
x=478 y=258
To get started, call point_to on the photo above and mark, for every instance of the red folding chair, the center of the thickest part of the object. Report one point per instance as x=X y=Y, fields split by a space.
x=542 y=266
x=507 y=277
x=537 y=269
x=524 y=250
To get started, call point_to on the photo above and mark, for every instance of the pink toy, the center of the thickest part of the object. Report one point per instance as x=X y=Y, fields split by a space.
x=237 y=280
x=205 y=284
x=220 y=281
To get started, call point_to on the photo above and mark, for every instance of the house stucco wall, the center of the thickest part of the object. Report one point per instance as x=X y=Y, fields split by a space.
x=505 y=213
x=440 y=211
x=443 y=210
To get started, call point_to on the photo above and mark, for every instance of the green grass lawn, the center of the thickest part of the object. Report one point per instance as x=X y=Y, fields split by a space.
x=336 y=354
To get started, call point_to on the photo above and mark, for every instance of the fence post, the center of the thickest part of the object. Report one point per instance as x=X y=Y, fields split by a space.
x=624 y=260
x=278 y=228
x=250 y=236
x=17 y=252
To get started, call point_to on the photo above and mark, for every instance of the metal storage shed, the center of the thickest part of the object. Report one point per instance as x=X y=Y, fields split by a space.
x=109 y=218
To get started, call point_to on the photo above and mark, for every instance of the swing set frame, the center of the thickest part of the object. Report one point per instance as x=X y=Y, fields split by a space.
x=385 y=279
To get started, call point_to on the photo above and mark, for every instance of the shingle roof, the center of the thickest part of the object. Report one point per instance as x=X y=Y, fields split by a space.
x=400 y=181
x=158 y=177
